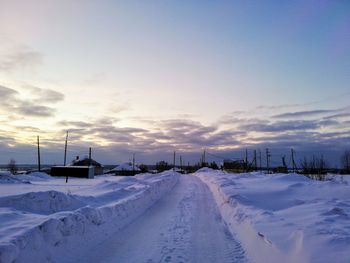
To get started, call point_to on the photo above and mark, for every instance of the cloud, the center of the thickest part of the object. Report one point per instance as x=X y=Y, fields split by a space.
x=278 y=107
x=285 y=126
x=7 y=93
x=339 y=115
x=281 y=126
x=302 y=114
x=188 y=137
x=30 y=109
x=12 y=103
x=79 y=124
x=46 y=95
x=19 y=58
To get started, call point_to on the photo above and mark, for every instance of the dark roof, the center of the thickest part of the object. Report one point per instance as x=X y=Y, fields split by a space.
x=86 y=162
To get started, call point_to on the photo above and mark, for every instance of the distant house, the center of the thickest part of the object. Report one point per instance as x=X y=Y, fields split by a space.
x=88 y=162
x=125 y=169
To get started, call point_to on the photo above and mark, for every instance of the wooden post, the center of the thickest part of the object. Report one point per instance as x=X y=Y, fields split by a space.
x=181 y=163
x=268 y=160
x=246 y=160
x=260 y=163
x=39 y=165
x=284 y=162
x=204 y=160
x=89 y=156
x=293 y=161
x=65 y=150
x=133 y=163
x=255 y=165
x=174 y=161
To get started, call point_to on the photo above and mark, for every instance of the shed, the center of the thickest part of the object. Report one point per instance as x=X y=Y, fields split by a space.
x=73 y=171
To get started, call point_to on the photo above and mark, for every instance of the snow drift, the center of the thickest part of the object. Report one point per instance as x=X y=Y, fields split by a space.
x=59 y=225
x=285 y=217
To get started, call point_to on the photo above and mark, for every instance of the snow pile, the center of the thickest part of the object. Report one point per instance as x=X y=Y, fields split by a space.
x=6 y=177
x=285 y=217
x=40 y=224
x=42 y=202
x=204 y=170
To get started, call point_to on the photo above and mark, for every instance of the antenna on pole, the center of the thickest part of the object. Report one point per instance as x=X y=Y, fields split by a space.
x=39 y=165
x=65 y=150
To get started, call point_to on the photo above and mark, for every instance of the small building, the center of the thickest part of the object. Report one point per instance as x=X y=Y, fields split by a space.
x=73 y=171
x=89 y=162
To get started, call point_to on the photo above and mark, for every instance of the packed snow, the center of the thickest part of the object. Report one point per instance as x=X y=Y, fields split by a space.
x=285 y=217
x=185 y=225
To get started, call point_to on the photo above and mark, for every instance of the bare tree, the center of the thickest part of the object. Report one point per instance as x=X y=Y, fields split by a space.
x=12 y=167
x=162 y=166
x=315 y=168
x=345 y=159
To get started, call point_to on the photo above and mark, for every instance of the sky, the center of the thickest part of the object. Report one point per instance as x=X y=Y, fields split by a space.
x=151 y=77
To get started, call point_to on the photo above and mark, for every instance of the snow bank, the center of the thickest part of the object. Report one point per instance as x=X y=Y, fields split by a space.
x=6 y=177
x=285 y=217
x=52 y=226
x=42 y=202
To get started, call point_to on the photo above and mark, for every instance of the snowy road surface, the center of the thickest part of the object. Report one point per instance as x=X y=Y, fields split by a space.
x=184 y=226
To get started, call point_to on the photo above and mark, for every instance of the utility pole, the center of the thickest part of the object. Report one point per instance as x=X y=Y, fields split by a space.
x=39 y=167
x=293 y=161
x=204 y=161
x=284 y=162
x=268 y=155
x=255 y=165
x=65 y=150
x=133 y=164
x=181 y=163
x=89 y=156
x=246 y=160
x=174 y=160
x=260 y=163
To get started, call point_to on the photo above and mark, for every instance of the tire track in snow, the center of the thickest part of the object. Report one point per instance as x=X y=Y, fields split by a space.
x=184 y=226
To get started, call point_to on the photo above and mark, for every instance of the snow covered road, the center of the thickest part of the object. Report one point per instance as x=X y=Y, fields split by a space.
x=169 y=217
x=183 y=226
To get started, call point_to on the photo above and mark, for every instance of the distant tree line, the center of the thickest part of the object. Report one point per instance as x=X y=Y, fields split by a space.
x=315 y=167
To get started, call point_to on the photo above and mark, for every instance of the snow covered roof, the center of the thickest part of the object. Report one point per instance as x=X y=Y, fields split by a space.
x=86 y=162
x=126 y=167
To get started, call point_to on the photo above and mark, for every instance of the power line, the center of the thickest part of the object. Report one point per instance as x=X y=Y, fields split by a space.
x=223 y=158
